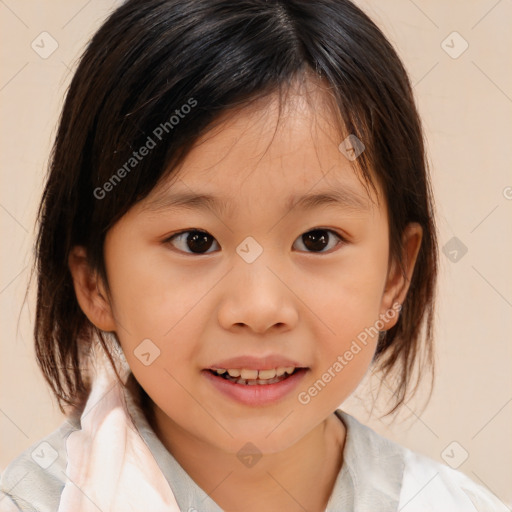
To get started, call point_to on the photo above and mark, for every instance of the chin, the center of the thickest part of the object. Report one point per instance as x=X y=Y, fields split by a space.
x=263 y=438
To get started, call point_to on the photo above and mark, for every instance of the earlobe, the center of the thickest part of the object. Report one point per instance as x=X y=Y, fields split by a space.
x=397 y=284
x=89 y=291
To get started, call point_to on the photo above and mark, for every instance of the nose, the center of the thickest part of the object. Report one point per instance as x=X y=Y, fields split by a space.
x=257 y=297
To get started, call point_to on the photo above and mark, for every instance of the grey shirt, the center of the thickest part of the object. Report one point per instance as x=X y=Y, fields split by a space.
x=371 y=478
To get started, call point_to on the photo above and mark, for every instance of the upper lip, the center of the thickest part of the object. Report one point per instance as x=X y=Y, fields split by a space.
x=255 y=363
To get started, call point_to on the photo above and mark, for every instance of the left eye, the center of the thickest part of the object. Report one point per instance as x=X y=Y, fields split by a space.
x=318 y=239
x=198 y=242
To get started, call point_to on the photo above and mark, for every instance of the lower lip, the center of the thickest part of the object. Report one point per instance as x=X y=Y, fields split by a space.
x=257 y=394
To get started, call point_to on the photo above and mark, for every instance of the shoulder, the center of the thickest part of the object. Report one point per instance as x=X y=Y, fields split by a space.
x=428 y=485
x=417 y=482
x=34 y=480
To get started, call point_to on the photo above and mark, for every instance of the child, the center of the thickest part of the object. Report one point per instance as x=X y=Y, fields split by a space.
x=209 y=378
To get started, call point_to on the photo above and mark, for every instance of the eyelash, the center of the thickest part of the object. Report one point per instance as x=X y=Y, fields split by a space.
x=342 y=240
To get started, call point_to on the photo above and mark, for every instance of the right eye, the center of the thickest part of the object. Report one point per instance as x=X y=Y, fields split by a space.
x=195 y=240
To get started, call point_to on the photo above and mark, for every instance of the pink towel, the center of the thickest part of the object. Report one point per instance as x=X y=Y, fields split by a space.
x=110 y=467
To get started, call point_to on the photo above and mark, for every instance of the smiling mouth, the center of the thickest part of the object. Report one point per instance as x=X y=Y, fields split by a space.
x=260 y=379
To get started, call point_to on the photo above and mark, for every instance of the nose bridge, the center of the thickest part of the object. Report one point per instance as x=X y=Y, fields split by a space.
x=256 y=295
x=253 y=262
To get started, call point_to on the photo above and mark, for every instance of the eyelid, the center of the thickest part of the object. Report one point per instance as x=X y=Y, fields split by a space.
x=167 y=238
x=336 y=231
x=344 y=240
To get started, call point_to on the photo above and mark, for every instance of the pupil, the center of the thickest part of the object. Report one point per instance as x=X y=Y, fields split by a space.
x=198 y=241
x=315 y=240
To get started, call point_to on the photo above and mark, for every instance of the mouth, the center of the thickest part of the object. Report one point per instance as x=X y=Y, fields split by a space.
x=255 y=388
x=248 y=377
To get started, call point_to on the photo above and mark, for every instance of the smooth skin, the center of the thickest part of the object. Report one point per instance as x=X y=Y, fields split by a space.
x=296 y=299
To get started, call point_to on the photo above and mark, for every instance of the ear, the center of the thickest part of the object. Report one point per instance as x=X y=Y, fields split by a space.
x=90 y=292
x=397 y=285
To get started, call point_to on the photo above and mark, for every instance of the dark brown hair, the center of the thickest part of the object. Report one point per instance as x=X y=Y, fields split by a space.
x=150 y=58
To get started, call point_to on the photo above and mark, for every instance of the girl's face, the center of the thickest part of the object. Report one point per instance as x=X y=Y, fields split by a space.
x=280 y=284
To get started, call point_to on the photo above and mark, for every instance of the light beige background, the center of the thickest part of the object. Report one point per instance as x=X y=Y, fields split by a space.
x=466 y=105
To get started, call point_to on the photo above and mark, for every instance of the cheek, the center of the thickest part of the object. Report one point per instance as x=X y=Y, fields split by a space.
x=154 y=305
x=348 y=304
x=343 y=357
x=151 y=294
x=347 y=295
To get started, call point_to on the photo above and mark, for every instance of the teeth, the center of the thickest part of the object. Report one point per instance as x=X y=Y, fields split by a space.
x=255 y=375
x=249 y=374
x=267 y=374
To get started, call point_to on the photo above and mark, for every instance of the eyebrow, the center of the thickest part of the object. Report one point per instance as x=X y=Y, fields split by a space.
x=345 y=199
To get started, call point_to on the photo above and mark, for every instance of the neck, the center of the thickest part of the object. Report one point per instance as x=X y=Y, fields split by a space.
x=278 y=481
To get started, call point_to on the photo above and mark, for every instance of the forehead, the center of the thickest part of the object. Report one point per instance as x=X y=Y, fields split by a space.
x=266 y=155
